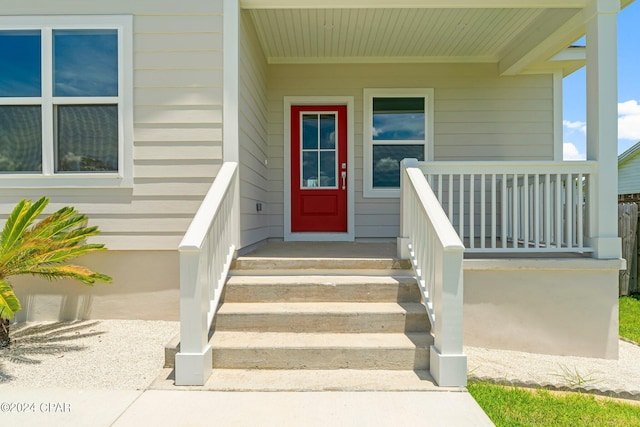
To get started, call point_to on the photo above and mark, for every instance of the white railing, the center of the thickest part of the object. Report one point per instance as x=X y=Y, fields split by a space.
x=206 y=253
x=437 y=254
x=515 y=206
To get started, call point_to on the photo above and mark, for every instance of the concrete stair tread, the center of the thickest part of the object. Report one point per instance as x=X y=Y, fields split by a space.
x=307 y=287
x=257 y=340
x=333 y=308
x=327 y=264
x=320 y=279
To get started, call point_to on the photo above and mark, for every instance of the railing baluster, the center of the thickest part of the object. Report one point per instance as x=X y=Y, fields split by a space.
x=536 y=211
x=558 y=210
x=525 y=211
x=547 y=210
x=516 y=219
x=494 y=211
x=569 y=210
x=451 y=198
x=461 y=209
x=483 y=209
x=472 y=236
x=505 y=220
x=580 y=230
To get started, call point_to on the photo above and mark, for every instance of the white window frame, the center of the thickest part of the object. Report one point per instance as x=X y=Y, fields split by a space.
x=368 y=141
x=123 y=24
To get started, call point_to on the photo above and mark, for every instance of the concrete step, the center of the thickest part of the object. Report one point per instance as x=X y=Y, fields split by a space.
x=273 y=350
x=340 y=317
x=308 y=288
x=325 y=266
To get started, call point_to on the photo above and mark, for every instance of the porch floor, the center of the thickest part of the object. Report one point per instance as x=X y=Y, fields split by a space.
x=376 y=250
x=367 y=250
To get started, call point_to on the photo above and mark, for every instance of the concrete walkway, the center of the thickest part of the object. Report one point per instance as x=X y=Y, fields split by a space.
x=122 y=408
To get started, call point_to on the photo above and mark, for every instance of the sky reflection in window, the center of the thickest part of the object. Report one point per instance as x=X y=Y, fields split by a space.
x=20 y=64
x=85 y=63
x=386 y=163
x=398 y=119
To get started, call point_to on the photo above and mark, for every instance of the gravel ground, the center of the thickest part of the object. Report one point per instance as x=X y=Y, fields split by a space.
x=100 y=354
x=608 y=377
x=129 y=354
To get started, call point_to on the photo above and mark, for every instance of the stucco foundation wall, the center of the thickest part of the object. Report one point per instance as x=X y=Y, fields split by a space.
x=145 y=286
x=542 y=306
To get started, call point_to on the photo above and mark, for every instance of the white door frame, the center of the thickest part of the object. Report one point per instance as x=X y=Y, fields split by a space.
x=349 y=236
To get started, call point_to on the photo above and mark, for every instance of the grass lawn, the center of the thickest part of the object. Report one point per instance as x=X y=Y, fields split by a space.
x=630 y=317
x=511 y=406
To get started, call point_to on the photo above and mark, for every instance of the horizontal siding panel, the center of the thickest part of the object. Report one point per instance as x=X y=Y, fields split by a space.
x=181 y=96
x=629 y=177
x=178 y=60
x=199 y=23
x=141 y=225
x=185 y=169
x=496 y=93
x=493 y=128
x=168 y=115
x=456 y=141
x=183 y=151
x=170 y=186
x=111 y=7
x=178 y=42
x=501 y=117
x=504 y=106
x=172 y=134
x=178 y=78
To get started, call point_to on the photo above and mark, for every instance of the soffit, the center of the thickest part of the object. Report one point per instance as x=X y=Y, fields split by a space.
x=414 y=34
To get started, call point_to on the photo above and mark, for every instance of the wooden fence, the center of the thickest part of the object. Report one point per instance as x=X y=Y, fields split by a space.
x=628 y=221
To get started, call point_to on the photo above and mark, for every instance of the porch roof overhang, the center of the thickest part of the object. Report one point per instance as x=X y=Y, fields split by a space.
x=519 y=36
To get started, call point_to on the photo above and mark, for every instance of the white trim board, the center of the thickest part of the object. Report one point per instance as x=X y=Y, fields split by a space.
x=319 y=100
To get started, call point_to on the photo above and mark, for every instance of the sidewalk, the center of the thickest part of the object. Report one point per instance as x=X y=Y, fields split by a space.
x=123 y=408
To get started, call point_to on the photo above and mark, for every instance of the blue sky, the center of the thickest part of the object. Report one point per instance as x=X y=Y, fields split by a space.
x=574 y=102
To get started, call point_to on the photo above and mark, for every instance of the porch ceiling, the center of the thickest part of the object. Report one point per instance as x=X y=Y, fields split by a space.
x=517 y=39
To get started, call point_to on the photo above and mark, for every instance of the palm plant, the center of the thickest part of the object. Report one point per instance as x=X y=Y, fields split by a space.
x=43 y=250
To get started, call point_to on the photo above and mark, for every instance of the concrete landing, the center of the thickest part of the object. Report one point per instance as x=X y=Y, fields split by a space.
x=309 y=380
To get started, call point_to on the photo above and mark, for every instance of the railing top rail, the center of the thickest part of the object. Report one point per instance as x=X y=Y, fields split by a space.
x=489 y=167
x=447 y=235
x=195 y=235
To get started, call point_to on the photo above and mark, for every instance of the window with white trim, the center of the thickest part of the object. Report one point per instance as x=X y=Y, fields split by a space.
x=65 y=101
x=398 y=124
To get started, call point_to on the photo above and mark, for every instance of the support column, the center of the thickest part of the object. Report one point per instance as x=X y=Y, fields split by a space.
x=602 y=125
x=231 y=101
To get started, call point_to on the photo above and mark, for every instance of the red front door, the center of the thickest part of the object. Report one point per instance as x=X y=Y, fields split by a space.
x=319 y=168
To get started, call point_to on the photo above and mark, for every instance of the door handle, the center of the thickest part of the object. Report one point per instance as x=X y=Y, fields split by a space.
x=344 y=180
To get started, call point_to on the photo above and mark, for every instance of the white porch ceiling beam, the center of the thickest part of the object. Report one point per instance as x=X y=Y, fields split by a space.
x=556 y=32
x=395 y=4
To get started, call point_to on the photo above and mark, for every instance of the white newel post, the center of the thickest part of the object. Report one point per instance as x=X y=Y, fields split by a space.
x=602 y=125
x=194 y=361
x=448 y=363
x=403 y=240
